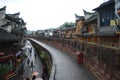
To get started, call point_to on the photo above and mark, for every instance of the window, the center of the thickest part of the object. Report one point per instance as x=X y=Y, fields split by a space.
x=106 y=16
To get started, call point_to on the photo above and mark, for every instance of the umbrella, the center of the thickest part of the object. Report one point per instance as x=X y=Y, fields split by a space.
x=38 y=79
x=35 y=73
x=23 y=48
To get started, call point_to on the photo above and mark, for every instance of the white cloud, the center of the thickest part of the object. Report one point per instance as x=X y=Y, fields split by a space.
x=43 y=14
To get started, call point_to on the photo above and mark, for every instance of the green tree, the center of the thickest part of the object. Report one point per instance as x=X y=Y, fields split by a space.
x=67 y=24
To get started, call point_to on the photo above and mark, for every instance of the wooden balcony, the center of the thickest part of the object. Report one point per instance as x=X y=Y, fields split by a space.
x=106 y=31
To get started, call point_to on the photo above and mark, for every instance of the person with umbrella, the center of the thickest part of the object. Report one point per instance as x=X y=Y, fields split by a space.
x=34 y=77
x=38 y=79
x=34 y=73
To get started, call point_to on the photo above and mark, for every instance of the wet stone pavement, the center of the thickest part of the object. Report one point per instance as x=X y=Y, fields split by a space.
x=66 y=66
x=36 y=62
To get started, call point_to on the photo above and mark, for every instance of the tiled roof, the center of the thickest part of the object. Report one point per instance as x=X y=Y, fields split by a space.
x=79 y=17
x=93 y=17
x=7 y=24
x=4 y=8
x=13 y=18
x=104 y=4
x=69 y=28
x=10 y=17
x=85 y=12
x=17 y=13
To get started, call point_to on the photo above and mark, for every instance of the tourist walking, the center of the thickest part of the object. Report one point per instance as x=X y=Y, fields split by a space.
x=28 y=61
x=28 y=78
x=31 y=65
x=35 y=55
x=43 y=76
x=34 y=77
x=30 y=51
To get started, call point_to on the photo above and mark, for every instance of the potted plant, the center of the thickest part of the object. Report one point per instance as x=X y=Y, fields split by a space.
x=4 y=70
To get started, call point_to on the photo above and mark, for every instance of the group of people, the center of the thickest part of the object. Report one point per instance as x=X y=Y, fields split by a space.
x=33 y=78
x=30 y=63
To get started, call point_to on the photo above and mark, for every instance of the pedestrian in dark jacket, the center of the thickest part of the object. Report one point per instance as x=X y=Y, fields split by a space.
x=27 y=78
x=31 y=65
x=43 y=76
x=28 y=61
x=34 y=77
x=35 y=55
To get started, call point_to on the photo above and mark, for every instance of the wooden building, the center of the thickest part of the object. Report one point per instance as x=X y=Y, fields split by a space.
x=12 y=32
x=107 y=24
x=69 y=31
x=102 y=55
x=79 y=27
x=98 y=39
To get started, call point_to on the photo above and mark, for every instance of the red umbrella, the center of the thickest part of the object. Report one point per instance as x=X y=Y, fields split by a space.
x=38 y=79
x=35 y=73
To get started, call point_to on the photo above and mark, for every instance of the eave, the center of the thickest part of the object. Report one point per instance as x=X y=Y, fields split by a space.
x=103 y=5
x=12 y=19
x=7 y=37
x=92 y=18
x=2 y=9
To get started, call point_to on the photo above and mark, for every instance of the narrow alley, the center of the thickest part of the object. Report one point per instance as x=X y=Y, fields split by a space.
x=37 y=64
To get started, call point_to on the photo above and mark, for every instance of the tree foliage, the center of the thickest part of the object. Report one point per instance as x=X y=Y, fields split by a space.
x=66 y=24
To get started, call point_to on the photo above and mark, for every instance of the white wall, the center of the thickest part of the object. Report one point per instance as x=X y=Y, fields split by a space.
x=2 y=14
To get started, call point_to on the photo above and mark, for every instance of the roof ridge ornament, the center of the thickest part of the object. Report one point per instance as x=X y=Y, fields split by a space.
x=86 y=12
x=18 y=13
x=79 y=17
x=3 y=8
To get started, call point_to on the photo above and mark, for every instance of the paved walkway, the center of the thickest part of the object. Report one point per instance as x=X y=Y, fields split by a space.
x=36 y=62
x=66 y=66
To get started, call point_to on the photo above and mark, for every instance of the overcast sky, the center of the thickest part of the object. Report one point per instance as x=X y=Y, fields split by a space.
x=44 y=14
